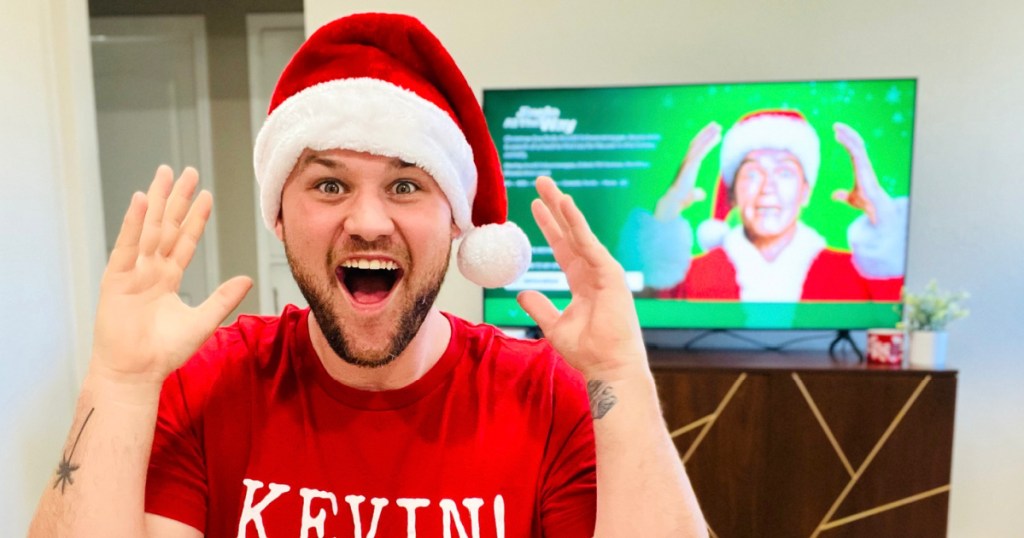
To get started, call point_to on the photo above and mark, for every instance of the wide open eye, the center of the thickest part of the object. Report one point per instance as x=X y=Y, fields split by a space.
x=405 y=186
x=330 y=186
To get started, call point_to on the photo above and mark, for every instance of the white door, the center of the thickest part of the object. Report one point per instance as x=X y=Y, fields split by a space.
x=273 y=39
x=152 y=108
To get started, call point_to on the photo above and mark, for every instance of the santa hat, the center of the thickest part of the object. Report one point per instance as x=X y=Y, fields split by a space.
x=383 y=84
x=766 y=129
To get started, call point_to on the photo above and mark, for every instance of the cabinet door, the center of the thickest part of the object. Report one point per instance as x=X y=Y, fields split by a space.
x=860 y=453
x=814 y=453
x=719 y=423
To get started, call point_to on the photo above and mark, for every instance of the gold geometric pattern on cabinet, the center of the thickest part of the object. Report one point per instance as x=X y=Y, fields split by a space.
x=827 y=522
x=707 y=421
x=832 y=455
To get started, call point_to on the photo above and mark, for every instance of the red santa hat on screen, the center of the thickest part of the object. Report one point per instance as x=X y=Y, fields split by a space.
x=765 y=129
x=383 y=84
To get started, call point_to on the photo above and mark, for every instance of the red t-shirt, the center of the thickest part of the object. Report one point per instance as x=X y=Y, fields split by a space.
x=254 y=438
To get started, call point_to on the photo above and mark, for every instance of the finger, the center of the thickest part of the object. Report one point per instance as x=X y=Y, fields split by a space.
x=159 y=189
x=841 y=195
x=584 y=242
x=712 y=135
x=697 y=195
x=126 y=247
x=177 y=207
x=540 y=309
x=710 y=131
x=192 y=229
x=552 y=233
x=554 y=222
x=707 y=138
x=225 y=298
x=552 y=197
x=848 y=137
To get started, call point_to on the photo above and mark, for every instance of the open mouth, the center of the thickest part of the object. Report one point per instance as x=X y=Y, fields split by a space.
x=369 y=281
x=768 y=210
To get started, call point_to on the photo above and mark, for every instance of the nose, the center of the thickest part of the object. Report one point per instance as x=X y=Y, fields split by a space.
x=368 y=217
x=769 y=183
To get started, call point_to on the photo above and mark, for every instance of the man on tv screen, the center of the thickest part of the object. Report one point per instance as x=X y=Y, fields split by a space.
x=769 y=166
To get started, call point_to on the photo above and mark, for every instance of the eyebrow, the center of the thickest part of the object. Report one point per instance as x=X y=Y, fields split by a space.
x=788 y=158
x=334 y=164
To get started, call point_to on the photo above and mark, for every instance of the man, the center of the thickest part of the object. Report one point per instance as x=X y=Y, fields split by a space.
x=769 y=165
x=371 y=413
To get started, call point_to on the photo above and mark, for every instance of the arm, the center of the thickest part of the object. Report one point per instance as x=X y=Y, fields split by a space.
x=877 y=238
x=660 y=244
x=143 y=331
x=682 y=193
x=642 y=488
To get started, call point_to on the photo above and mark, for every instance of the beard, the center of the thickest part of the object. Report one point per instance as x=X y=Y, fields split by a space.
x=414 y=307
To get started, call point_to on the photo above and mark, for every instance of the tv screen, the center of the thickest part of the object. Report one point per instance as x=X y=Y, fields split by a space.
x=768 y=205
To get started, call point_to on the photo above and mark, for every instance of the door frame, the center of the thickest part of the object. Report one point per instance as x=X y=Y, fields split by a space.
x=138 y=29
x=255 y=25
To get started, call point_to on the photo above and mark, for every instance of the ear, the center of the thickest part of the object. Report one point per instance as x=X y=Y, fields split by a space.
x=456 y=231
x=279 y=228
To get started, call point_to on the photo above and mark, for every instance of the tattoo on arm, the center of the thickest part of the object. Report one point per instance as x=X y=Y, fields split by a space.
x=601 y=398
x=65 y=468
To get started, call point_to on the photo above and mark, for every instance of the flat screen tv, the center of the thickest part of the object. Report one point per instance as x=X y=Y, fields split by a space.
x=764 y=205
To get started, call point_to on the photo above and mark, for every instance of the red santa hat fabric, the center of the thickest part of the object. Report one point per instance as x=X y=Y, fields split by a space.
x=786 y=130
x=384 y=84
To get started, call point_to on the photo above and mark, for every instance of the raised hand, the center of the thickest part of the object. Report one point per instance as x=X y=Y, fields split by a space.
x=867 y=194
x=598 y=333
x=682 y=193
x=143 y=329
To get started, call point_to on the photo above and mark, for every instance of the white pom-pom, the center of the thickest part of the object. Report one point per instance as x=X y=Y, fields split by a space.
x=711 y=233
x=494 y=255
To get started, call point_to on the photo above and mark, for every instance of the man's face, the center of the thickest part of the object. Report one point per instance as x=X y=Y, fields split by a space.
x=769 y=190
x=368 y=240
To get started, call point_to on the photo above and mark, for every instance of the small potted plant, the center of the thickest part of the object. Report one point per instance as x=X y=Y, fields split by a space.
x=925 y=317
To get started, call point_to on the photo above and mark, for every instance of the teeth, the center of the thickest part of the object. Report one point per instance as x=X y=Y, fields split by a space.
x=370 y=264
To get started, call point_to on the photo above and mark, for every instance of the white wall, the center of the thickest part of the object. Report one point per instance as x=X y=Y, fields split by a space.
x=967 y=184
x=50 y=224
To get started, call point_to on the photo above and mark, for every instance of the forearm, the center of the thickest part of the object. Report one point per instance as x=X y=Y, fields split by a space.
x=99 y=486
x=642 y=488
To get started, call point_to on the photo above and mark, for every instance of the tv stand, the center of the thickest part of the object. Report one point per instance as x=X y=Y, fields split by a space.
x=843 y=335
x=691 y=344
x=798 y=444
x=752 y=344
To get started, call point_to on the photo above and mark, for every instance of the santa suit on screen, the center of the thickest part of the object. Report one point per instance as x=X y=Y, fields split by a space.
x=806 y=269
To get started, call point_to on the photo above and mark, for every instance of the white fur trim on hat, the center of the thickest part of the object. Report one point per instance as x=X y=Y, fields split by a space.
x=494 y=255
x=371 y=115
x=711 y=233
x=771 y=131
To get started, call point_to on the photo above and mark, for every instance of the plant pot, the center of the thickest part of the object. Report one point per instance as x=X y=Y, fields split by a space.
x=928 y=349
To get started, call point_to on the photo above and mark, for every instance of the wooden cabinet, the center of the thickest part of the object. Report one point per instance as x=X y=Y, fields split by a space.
x=782 y=445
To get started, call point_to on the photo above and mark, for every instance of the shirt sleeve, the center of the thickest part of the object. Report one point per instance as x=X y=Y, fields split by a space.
x=176 y=485
x=569 y=492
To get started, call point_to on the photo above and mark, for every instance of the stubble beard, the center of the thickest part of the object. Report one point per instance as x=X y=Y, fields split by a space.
x=410 y=318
